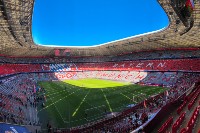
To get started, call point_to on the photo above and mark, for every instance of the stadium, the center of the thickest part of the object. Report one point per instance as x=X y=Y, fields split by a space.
x=148 y=83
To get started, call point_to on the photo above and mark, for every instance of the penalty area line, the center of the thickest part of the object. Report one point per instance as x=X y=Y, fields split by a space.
x=57 y=101
x=80 y=104
x=126 y=96
x=107 y=101
x=58 y=112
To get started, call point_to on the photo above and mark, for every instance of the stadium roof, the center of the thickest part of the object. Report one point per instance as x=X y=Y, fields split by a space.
x=16 y=35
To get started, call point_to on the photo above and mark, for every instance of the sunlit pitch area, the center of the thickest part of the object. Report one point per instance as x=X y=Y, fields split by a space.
x=71 y=103
x=95 y=83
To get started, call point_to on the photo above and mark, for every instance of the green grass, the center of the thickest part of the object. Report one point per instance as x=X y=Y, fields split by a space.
x=95 y=83
x=69 y=101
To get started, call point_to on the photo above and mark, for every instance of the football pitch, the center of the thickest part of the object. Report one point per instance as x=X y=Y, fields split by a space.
x=72 y=103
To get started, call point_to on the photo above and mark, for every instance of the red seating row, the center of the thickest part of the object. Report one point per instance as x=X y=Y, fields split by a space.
x=16 y=68
x=192 y=120
x=193 y=100
x=162 y=65
x=183 y=130
x=166 y=125
x=181 y=107
x=178 y=122
x=189 y=97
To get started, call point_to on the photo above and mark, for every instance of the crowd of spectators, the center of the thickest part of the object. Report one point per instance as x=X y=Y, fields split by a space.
x=17 y=100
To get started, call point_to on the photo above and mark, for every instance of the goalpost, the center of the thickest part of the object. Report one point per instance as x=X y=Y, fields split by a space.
x=95 y=112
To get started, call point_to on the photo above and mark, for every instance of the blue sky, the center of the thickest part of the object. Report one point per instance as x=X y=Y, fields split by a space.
x=94 y=22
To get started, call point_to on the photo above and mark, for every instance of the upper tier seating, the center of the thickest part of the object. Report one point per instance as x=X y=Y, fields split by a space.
x=143 y=55
x=144 y=65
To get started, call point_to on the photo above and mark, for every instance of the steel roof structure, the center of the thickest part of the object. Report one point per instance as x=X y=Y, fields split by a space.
x=16 y=35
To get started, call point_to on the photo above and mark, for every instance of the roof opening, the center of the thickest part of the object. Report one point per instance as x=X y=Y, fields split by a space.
x=89 y=22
